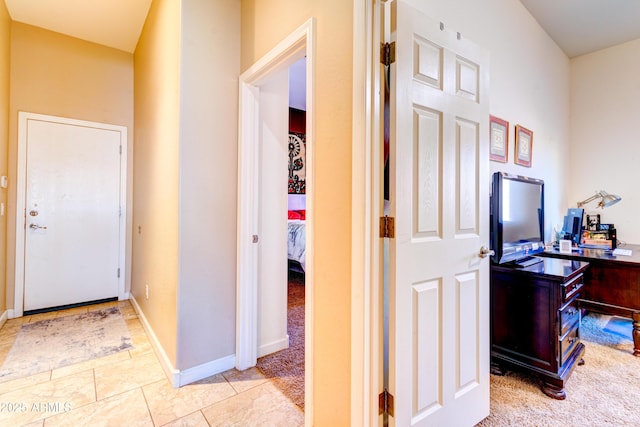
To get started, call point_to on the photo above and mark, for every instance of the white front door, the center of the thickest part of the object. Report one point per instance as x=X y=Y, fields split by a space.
x=439 y=192
x=72 y=213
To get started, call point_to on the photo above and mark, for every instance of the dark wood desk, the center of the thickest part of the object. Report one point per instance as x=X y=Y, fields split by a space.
x=612 y=284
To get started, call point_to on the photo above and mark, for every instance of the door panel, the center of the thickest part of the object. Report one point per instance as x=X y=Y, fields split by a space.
x=428 y=125
x=439 y=293
x=427 y=354
x=72 y=222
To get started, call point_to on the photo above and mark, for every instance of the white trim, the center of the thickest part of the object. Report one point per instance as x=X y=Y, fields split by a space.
x=367 y=173
x=172 y=373
x=177 y=377
x=298 y=44
x=310 y=129
x=247 y=258
x=21 y=185
x=205 y=370
x=273 y=346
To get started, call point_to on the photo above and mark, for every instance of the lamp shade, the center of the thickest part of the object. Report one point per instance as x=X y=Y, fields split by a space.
x=609 y=199
x=606 y=199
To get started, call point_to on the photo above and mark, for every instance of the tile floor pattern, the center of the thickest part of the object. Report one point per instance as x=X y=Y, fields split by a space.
x=130 y=388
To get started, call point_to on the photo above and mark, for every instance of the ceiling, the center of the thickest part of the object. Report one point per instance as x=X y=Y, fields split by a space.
x=113 y=23
x=584 y=26
x=577 y=26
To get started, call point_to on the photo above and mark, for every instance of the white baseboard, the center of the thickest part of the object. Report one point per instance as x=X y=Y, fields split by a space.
x=176 y=377
x=4 y=317
x=273 y=346
x=171 y=372
x=205 y=370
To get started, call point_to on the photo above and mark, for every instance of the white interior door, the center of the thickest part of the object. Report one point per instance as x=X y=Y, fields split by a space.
x=72 y=233
x=272 y=207
x=439 y=191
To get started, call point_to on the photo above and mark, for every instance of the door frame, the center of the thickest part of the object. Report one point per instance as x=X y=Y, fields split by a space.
x=367 y=207
x=21 y=186
x=298 y=44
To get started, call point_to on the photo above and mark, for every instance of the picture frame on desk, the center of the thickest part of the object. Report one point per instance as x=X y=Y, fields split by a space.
x=565 y=246
x=524 y=146
x=593 y=222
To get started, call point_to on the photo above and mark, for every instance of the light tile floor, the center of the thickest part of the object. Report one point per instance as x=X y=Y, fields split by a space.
x=130 y=388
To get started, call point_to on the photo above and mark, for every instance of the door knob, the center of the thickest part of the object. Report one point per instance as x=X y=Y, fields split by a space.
x=485 y=251
x=37 y=227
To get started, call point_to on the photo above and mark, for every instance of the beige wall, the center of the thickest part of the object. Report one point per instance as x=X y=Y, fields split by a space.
x=264 y=24
x=155 y=179
x=208 y=180
x=605 y=149
x=62 y=76
x=185 y=178
x=5 y=45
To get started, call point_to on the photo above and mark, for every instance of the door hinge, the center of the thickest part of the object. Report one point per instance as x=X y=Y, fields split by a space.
x=388 y=53
x=118 y=272
x=385 y=403
x=121 y=150
x=387 y=226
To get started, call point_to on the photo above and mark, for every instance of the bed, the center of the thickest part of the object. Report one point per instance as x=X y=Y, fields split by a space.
x=296 y=240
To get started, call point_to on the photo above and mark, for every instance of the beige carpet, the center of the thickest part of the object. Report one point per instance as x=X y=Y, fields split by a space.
x=39 y=345
x=603 y=392
x=286 y=367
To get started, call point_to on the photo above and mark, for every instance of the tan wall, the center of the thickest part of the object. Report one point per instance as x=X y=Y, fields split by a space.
x=156 y=154
x=62 y=76
x=5 y=45
x=602 y=108
x=264 y=24
x=208 y=180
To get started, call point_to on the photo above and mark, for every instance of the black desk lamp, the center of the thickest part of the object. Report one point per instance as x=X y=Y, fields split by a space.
x=606 y=199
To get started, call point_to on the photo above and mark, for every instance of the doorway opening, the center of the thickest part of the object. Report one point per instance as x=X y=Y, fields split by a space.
x=265 y=168
x=286 y=366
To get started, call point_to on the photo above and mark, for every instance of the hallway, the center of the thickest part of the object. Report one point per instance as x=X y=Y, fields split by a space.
x=130 y=388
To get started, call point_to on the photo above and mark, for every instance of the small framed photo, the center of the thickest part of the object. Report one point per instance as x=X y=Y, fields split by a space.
x=593 y=222
x=498 y=139
x=524 y=146
x=565 y=246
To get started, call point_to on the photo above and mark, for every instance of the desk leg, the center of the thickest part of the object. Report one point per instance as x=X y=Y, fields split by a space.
x=636 y=333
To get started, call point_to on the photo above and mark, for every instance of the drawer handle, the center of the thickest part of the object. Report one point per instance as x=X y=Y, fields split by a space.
x=572 y=340
x=572 y=313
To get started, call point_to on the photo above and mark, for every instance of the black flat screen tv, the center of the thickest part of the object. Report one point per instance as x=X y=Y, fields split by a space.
x=517 y=218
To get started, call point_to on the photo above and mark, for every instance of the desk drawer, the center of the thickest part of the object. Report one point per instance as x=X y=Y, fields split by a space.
x=568 y=342
x=569 y=315
x=570 y=288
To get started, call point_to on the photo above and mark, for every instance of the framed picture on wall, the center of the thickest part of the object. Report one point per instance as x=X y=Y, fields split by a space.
x=498 y=139
x=524 y=146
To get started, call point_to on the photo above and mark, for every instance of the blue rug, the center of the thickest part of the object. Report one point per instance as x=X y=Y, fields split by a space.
x=620 y=326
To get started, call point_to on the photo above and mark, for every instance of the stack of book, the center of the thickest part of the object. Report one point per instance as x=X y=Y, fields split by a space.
x=598 y=239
